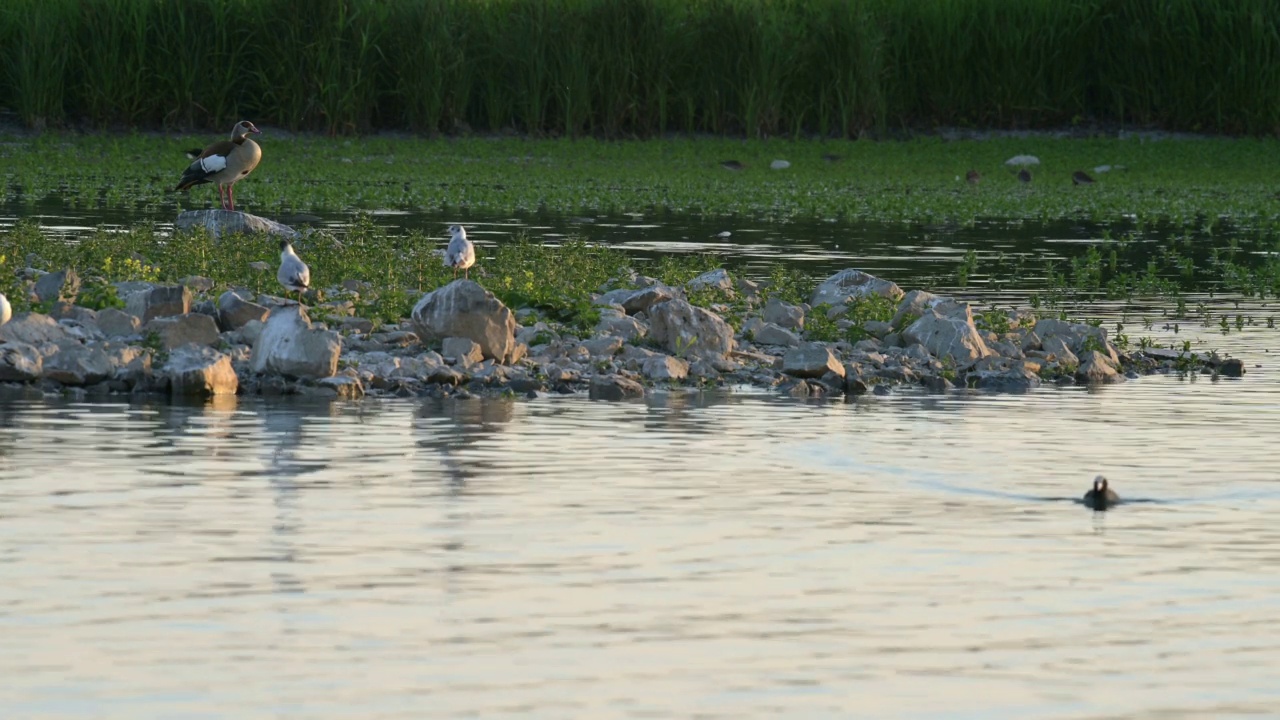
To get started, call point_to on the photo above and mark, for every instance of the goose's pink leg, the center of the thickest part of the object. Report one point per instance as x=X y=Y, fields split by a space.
x=231 y=195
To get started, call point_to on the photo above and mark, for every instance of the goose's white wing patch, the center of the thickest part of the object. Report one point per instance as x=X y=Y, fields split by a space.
x=213 y=164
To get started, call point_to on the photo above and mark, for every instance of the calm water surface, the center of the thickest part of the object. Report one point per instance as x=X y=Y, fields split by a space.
x=690 y=555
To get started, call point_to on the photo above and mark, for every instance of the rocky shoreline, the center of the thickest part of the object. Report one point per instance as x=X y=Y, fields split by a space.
x=190 y=340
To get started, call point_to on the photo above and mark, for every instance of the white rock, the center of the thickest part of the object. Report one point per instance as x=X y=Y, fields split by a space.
x=220 y=223
x=464 y=309
x=779 y=165
x=289 y=346
x=717 y=279
x=1022 y=160
x=952 y=335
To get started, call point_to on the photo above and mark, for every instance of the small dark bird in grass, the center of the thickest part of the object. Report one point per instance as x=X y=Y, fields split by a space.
x=973 y=177
x=1024 y=175
x=1100 y=497
x=732 y=165
x=1081 y=177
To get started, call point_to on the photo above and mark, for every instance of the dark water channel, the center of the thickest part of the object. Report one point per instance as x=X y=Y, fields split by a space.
x=714 y=555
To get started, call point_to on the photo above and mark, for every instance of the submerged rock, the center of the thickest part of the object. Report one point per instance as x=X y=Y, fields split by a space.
x=220 y=223
x=464 y=309
x=289 y=346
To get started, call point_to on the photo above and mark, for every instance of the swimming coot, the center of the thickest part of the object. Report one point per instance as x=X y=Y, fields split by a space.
x=1101 y=497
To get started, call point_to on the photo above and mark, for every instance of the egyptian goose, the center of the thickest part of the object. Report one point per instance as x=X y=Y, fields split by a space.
x=293 y=274
x=461 y=254
x=225 y=163
x=1024 y=175
x=6 y=311
x=1081 y=177
x=1101 y=497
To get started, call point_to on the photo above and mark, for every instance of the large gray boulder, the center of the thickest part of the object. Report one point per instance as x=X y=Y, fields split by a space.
x=76 y=364
x=1079 y=337
x=913 y=305
x=811 y=360
x=159 y=302
x=783 y=314
x=288 y=345
x=620 y=326
x=54 y=286
x=950 y=335
x=685 y=329
x=464 y=309
x=850 y=283
x=116 y=323
x=235 y=311
x=192 y=328
x=195 y=371
x=19 y=362
x=220 y=223
x=767 y=333
x=33 y=329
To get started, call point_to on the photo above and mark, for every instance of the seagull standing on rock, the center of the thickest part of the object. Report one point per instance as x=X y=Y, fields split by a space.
x=461 y=254
x=6 y=311
x=293 y=274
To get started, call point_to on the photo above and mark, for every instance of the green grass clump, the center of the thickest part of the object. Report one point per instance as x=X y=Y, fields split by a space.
x=622 y=68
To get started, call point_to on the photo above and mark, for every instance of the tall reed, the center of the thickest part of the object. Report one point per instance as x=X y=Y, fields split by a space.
x=619 y=68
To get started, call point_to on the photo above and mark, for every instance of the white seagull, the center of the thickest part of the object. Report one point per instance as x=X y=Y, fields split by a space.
x=461 y=254
x=293 y=274
x=6 y=311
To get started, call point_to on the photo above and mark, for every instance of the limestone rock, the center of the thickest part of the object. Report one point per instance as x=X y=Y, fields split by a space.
x=463 y=351
x=948 y=336
x=614 y=388
x=347 y=388
x=288 y=345
x=220 y=223
x=913 y=305
x=1096 y=368
x=685 y=329
x=19 y=362
x=117 y=323
x=1056 y=346
x=195 y=371
x=64 y=310
x=464 y=309
x=235 y=311
x=192 y=328
x=783 y=314
x=811 y=360
x=1075 y=335
x=606 y=346
x=61 y=285
x=1012 y=380
x=197 y=283
x=837 y=289
x=33 y=329
x=770 y=334
x=637 y=301
x=624 y=327
x=76 y=364
x=717 y=279
x=665 y=367
x=157 y=302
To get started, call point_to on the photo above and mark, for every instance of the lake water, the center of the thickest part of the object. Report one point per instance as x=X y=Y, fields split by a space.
x=709 y=555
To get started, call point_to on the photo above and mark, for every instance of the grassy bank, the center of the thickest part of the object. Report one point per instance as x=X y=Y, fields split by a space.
x=643 y=67
x=1188 y=182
